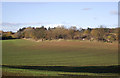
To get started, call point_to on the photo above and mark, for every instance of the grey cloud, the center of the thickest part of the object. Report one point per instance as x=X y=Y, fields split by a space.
x=15 y=26
x=95 y=18
x=19 y=24
x=64 y=22
x=86 y=9
x=114 y=12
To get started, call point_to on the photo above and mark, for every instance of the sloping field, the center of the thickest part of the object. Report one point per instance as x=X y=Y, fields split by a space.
x=70 y=53
x=58 y=53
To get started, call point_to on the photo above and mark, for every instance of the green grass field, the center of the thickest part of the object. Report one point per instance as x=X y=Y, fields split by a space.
x=72 y=54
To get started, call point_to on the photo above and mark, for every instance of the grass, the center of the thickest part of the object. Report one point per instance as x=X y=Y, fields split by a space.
x=57 y=53
x=29 y=72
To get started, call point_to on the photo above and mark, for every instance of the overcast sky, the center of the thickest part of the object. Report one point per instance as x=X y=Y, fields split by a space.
x=16 y=15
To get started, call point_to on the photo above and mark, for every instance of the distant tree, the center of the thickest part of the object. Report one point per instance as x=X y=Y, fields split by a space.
x=28 y=32
x=7 y=35
x=48 y=35
x=87 y=32
x=40 y=33
x=49 y=28
x=66 y=34
x=111 y=37
x=95 y=33
x=89 y=29
x=77 y=35
x=71 y=31
x=101 y=32
x=61 y=32
x=117 y=33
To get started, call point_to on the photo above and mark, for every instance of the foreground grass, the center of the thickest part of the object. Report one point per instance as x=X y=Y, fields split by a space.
x=29 y=72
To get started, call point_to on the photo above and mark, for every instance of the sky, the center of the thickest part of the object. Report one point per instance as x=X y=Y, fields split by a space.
x=16 y=15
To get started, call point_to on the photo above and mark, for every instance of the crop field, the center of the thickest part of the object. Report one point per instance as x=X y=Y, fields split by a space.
x=59 y=58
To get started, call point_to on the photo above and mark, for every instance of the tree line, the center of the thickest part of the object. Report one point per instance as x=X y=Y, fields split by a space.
x=60 y=32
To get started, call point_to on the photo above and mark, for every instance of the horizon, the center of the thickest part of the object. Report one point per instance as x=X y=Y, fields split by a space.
x=60 y=26
x=17 y=15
